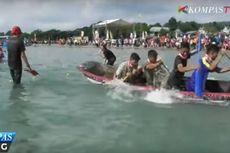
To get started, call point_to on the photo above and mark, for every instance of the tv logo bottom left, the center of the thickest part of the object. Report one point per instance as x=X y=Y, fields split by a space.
x=6 y=138
x=4 y=146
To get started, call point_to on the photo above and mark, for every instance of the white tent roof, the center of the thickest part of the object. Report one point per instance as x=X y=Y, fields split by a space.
x=112 y=23
x=226 y=30
x=158 y=29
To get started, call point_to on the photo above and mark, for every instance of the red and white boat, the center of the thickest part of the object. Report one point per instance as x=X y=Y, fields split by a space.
x=100 y=74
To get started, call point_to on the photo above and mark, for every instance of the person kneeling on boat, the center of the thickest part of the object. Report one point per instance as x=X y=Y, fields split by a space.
x=107 y=54
x=155 y=72
x=129 y=71
x=176 y=78
x=207 y=64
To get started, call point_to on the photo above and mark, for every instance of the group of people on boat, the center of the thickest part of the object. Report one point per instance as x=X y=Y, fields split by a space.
x=154 y=72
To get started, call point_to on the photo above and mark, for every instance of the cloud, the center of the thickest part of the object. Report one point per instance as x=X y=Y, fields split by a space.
x=72 y=14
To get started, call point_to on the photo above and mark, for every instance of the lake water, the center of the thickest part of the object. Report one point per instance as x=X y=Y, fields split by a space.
x=61 y=112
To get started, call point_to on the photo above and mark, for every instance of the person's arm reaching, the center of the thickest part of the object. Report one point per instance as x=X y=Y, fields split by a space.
x=153 y=65
x=223 y=70
x=24 y=58
x=186 y=68
x=100 y=53
x=119 y=71
x=214 y=64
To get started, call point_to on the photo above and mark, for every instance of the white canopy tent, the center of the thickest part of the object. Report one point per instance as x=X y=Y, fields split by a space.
x=226 y=30
x=110 y=24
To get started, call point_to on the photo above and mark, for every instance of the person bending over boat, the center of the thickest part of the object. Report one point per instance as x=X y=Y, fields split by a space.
x=154 y=70
x=176 y=78
x=108 y=55
x=16 y=53
x=129 y=71
x=207 y=64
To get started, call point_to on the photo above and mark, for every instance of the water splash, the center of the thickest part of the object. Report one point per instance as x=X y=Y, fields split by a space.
x=119 y=90
x=119 y=93
x=163 y=96
x=122 y=91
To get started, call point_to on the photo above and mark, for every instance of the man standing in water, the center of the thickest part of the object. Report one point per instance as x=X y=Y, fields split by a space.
x=16 y=53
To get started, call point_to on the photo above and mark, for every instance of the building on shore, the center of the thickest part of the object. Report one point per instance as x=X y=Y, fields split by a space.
x=156 y=30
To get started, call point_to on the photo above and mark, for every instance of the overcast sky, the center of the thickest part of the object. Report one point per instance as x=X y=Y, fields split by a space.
x=72 y=14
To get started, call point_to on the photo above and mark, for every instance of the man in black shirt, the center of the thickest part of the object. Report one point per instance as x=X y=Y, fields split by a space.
x=180 y=67
x=16 y=53
x=108 y=54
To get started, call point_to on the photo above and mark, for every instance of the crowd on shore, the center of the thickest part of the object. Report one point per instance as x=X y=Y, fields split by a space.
x=154 y=41
x=174 y=42
x=206 y=40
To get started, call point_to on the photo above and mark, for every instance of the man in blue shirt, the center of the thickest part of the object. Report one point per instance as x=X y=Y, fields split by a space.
x=207 y=64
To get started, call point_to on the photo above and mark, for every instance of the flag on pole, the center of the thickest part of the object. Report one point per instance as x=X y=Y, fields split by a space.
x=198 y=43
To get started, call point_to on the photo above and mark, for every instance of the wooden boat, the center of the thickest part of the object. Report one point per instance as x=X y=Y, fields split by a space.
x=100 y=74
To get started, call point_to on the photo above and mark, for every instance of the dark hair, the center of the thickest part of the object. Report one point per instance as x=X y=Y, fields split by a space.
x=135 y=56
x=213 y=48
x=184 y=45
x=152 y=53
